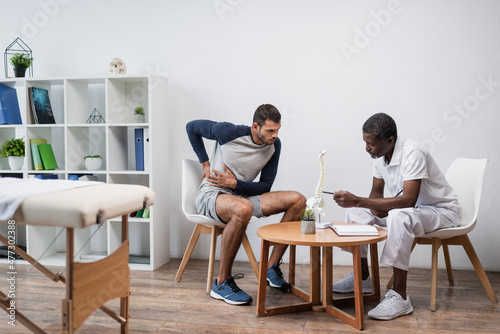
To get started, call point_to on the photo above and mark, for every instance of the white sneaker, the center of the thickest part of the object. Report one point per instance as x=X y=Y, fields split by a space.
x=391 y=307
x=346 y=285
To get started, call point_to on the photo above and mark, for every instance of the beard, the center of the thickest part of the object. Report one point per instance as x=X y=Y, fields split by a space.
x=263 y=139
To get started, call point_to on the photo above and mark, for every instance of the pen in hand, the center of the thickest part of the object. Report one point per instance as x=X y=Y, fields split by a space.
x=328 y=192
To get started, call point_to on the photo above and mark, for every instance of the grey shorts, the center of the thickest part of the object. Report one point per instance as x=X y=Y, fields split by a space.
x=205 y=204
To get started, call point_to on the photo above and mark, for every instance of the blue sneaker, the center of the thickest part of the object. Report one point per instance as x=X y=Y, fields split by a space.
x=230 y=292
x=275 y=278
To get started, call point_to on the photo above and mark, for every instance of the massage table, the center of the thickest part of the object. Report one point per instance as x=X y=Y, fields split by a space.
x=88 y=285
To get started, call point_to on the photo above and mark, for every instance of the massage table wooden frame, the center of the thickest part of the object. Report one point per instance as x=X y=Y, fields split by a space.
x=88 y=285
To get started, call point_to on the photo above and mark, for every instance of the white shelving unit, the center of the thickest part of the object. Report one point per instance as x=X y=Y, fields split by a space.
x=72 y=101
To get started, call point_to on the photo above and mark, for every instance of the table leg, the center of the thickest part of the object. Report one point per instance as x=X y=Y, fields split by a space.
x=67 y=304
x=124 y=301
x=358 y=288
x=327 y=273
x=291 y=266
x=262 y=311
x=356 y=321
x=375 y=295
x=315 y=276
x=261 y=291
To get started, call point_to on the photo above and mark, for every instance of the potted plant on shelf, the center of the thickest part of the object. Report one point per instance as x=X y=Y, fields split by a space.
x=14 y=150
x=93 y=162
x=139 y=116
x=308 y=221
x=21 y=62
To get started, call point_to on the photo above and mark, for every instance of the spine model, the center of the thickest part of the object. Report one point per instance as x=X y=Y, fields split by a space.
x=316 y=203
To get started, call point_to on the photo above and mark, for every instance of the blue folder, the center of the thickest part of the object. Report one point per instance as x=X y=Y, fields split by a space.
x=139 y=148
x=9 y=106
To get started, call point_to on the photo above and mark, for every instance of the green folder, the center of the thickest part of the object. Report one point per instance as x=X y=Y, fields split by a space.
x=47 y=155
x=37 y=162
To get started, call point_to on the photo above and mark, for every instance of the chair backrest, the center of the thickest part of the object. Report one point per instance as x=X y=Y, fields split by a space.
x=191 y=179
x=466 y=177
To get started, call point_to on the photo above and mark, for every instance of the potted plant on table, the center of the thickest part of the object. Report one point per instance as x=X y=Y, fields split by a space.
x=308 y=221
x=139 y=116
x=93 y=162
x=21 y=62
x=14 y=150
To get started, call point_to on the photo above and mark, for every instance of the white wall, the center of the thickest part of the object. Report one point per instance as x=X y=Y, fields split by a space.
x=327 y=65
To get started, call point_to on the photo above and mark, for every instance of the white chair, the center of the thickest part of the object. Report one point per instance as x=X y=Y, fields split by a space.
x=191 y=178
x=466 y=177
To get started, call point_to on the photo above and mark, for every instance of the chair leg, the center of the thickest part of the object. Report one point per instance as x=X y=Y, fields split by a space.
x=189 y=250
x=471 y=253
x=213 y=245
x=436 y=243
x=449 y=270
x=251 y=256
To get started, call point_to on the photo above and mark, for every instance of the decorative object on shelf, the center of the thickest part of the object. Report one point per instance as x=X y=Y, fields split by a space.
x=14 y=150
x=95 y=117
x=22 y=58
x=93 y=162
x=16 y=163
x=308 y=221
x=139 y=116
x=117 y=66
x=21 y=62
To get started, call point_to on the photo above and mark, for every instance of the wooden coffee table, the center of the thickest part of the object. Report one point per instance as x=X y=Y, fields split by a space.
x=323 y=242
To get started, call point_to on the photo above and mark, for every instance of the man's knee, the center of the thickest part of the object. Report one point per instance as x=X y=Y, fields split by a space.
x=236 y=209
x=400 y=219
x=398 y=214
x=360 y=215
x=298 y=199
x=243 y=210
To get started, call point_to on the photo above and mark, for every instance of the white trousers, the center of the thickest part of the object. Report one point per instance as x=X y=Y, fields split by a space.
x=403 y=225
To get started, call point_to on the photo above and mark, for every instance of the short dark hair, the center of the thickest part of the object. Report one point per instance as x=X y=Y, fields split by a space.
x=382 y=126
x=266 y=112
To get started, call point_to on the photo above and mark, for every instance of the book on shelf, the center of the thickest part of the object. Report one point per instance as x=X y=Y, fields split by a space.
x=46 y=176
x=40 y=106
x=139 y=149
x=35 y=154
x=355 y=230
x=47 y=155
x=9 y=106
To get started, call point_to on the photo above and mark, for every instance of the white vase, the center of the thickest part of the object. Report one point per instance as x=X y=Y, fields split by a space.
x=93 y=163
x=308 y=227
x=16 y=163
x=139 y=118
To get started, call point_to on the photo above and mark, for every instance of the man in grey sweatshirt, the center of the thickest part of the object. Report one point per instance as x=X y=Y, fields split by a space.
x=229 y=194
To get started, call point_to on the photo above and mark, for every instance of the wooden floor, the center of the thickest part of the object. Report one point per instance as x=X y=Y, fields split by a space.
x=158 y=304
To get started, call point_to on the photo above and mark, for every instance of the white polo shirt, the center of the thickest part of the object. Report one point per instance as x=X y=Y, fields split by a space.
x=411 y=161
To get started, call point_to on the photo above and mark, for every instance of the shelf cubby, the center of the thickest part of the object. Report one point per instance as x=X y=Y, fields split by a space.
x=82 y=97
x=84 y=141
